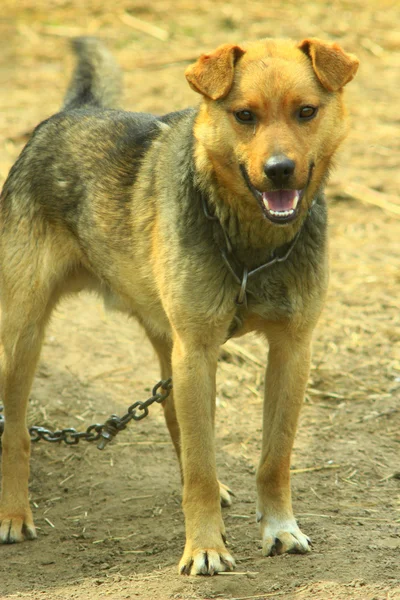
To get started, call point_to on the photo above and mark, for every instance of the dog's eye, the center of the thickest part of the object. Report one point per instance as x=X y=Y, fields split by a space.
x=306 y=113
x=245 y=116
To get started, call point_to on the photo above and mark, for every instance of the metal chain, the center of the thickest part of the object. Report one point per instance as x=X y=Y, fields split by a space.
x=103 y=433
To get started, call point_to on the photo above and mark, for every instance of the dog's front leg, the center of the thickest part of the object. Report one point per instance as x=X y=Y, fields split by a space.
x=194 y=368
x=286 y=378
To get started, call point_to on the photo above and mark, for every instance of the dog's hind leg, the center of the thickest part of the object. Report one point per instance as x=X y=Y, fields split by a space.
x=163 y=348
x=22 y=329
x=28 y=295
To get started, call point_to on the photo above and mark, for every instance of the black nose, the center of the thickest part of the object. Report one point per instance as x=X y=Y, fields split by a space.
x=279 y=168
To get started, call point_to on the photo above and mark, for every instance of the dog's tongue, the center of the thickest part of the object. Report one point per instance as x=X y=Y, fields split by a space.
x=281 y=200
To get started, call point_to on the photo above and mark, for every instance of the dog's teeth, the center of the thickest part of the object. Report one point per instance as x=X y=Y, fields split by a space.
x=282 y=213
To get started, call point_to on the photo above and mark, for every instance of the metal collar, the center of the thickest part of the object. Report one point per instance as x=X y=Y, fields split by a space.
x=242 y=280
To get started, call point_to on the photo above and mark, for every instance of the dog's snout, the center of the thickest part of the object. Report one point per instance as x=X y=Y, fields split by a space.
x=279 y=169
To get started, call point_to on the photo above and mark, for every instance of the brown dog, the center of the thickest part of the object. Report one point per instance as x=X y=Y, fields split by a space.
x=203 y=224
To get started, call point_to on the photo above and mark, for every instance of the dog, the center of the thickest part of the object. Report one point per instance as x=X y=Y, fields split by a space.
x=204 y=224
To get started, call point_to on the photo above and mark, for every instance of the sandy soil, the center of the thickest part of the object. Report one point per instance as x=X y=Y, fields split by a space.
x=110 y=523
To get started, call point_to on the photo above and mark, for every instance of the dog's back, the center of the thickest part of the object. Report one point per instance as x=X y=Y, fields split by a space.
x=74 y=202
x=83 y=150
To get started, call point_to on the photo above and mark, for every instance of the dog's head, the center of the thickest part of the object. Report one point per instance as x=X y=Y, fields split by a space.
x=271 y=119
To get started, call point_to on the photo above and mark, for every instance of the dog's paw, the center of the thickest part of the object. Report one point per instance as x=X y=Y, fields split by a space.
x=225 y=495
x=206 y=561
x=281 y=536
x=16 y=526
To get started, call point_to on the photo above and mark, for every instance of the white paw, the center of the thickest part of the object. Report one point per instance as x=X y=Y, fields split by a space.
x=282 y=535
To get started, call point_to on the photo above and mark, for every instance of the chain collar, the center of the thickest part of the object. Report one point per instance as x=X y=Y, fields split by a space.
x=241 y=299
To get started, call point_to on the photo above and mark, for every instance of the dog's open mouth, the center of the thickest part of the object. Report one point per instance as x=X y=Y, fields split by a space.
x=279 y=206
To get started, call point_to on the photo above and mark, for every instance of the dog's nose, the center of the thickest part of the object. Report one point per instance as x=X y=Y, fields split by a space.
x=279 y=168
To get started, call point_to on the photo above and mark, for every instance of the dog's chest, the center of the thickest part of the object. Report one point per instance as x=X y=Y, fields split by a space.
x=270 y=304
x=291 y=287
x=284 y=293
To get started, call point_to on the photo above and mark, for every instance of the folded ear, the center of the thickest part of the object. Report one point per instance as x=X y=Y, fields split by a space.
x=333 y=67
x=212 y=75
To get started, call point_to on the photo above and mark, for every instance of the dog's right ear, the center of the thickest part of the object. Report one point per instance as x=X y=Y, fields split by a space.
x=212 y=75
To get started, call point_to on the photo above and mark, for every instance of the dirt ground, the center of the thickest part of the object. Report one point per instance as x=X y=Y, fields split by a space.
x=110 y=524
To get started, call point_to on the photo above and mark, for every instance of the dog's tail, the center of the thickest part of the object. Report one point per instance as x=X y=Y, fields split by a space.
x=97 y=79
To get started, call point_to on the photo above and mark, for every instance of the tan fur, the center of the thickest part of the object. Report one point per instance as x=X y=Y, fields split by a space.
x=145 y=263
x=212 y=75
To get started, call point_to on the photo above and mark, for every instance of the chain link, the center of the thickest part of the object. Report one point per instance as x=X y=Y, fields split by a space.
x=102 y=433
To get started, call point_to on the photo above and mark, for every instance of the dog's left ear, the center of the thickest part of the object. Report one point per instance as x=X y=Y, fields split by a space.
x=212 y=75
x=333 y=67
